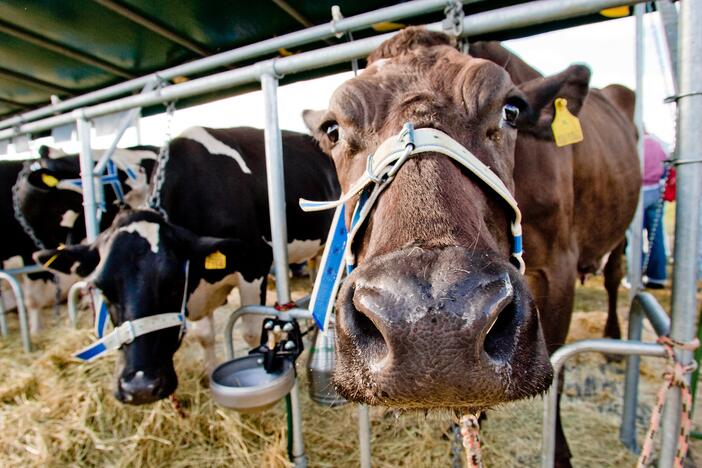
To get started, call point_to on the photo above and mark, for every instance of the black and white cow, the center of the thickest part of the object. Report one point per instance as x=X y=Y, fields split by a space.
x=215 y=195
x=51 y=202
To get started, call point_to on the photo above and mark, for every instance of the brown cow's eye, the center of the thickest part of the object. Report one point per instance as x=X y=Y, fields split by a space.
x=510 y=114
x=332 y=131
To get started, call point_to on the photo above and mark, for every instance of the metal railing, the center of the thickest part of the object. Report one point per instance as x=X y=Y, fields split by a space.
x=516 y=16
x=9 y=276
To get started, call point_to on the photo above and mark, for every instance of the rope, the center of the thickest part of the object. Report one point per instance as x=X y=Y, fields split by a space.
x=284 y=307
x=674 y=376
x=177 y=406
x=470 y=430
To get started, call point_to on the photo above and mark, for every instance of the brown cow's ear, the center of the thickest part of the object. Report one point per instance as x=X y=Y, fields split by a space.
x=313 y=120
x=80 y=259
x=571 y=84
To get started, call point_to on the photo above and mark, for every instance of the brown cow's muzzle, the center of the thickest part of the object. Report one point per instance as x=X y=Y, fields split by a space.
x=439 y=328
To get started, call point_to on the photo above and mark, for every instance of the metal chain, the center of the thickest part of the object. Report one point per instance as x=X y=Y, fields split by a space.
x=453 y=23
x=656 y=220
x=22 y=220
x=164 y=155
x=19 y=216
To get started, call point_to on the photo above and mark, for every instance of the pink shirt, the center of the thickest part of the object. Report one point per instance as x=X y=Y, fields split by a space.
x=654 y=155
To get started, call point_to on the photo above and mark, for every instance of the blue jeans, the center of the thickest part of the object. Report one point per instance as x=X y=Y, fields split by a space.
x=657 y=261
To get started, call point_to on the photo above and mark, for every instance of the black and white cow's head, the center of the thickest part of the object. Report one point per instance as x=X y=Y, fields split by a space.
x=139 y=265
x=53 y=206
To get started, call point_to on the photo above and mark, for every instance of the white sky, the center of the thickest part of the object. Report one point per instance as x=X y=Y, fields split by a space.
x=607 y=48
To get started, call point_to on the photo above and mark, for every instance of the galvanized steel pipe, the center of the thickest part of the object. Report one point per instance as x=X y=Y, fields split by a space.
x=534 y=13
x=644 y=305
x=687 y=210
x=305 y=36
x=21 y=310
x=559 y=358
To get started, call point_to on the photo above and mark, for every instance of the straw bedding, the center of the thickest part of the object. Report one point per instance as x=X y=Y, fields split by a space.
x=55 y=412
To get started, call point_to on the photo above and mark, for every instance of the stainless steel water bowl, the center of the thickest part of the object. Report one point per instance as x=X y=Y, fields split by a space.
x=244 y=385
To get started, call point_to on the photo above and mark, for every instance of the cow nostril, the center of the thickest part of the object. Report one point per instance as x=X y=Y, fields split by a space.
x=369 y=338
x=499 y=339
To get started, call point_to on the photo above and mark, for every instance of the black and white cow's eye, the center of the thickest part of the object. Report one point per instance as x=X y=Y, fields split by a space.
x=510 y=114
x=332 y=130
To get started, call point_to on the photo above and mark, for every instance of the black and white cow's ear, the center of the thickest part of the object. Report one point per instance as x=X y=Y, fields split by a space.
x=44 y=152
x=79 y=259
x=540 y=95
x=213 y=253
x=43 y=179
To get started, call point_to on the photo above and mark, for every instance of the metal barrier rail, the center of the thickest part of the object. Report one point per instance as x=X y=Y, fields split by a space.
x=9 y=276
x=72 y=301
x=558 y=359
x=643 y=305
x=248 y=52
x=515 y=16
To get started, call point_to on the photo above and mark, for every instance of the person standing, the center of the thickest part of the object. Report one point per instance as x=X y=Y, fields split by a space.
x=654 y=177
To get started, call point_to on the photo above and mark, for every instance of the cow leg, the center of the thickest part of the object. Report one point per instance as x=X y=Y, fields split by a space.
x=613 y=274
x=563 y=455
x=554 y=290
x=38 y=293
x=204 y=332
x=253 y=292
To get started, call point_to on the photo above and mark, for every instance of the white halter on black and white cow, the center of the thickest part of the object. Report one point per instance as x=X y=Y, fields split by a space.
x=382 y=166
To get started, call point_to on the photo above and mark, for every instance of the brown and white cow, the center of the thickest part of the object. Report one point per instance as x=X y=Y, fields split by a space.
x=434 y=314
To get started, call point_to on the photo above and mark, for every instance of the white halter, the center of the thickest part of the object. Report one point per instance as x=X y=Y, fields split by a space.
x=131 y=329
x=381 y=168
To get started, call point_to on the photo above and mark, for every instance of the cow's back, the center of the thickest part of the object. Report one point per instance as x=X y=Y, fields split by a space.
x=606 y=178
x=226 y=195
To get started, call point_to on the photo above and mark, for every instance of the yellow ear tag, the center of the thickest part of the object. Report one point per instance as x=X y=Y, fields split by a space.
x=615 y=12
x=49 y=180
x=387 y=26
x=566 y=127
x=215 y=261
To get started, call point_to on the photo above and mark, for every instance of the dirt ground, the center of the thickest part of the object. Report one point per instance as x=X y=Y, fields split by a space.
x=56 y=412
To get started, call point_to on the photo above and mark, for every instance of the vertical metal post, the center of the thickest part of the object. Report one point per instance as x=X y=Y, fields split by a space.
x=636 y=226
x=3 y=318
x=279 y=232
x=86 y=175
x=364 y=435
x=669 y=18
x=687 y=210
x=130 y=118
x=627 y=431
x=21 y=309
x=276 y=187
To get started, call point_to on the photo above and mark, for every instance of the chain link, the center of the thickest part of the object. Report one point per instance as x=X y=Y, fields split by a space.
x=164 y=155
x=453 y=23
x=19 y=216
x=22 y=220
x=656 y=221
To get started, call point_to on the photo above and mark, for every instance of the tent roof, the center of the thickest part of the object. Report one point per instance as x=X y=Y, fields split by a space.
x=68 y=48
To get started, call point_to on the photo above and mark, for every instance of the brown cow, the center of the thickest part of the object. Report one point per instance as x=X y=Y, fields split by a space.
x=435 y=315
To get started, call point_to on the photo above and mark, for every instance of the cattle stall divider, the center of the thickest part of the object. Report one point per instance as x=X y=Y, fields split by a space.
x=505 y=18
x=10 y=276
